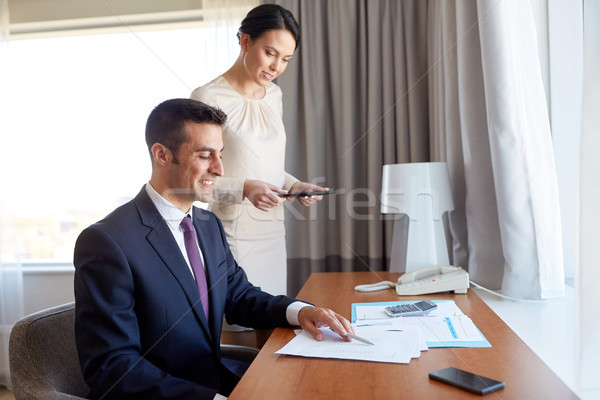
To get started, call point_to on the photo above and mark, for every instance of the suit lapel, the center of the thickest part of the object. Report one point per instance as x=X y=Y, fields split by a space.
x=161 y=239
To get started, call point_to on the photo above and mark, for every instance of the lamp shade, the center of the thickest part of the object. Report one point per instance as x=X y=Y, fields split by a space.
x=422 y=192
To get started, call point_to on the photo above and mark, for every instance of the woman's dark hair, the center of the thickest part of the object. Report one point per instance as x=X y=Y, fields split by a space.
x=268 y=17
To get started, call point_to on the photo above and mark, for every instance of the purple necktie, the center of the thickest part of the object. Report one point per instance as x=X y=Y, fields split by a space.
x=194 y=256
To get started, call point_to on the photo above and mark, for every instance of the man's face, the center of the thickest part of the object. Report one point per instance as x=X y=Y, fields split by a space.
x=199 y=164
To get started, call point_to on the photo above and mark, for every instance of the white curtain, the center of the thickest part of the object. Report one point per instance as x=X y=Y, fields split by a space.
x=11 y=279
x=489 y=120
x=588 y=274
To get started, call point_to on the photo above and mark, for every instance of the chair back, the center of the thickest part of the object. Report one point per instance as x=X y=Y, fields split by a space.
x=43 y=356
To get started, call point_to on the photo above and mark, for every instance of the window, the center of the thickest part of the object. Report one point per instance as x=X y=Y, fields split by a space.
x=77 y=108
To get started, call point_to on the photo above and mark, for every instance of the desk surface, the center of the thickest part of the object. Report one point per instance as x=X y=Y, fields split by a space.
x=273 y=376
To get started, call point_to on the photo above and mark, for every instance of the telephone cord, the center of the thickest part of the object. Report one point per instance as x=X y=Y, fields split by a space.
x=501 y=295
x=373 y=287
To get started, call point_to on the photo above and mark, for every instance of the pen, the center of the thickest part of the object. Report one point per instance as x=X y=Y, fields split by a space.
x=357 y=338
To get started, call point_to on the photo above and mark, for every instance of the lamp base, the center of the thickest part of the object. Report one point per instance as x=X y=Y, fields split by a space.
x=425 y=246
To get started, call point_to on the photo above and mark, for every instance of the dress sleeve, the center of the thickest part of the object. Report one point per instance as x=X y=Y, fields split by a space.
x=289 y=181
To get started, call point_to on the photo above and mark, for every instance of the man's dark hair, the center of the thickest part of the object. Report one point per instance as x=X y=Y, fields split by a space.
x=166 y=123
x=268 y=17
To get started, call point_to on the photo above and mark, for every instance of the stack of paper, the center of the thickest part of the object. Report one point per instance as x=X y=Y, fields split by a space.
x=395 y=340
x=389 y=345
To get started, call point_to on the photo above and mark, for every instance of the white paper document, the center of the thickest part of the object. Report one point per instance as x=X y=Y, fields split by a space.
x=446 y=326
x=457 y=328
x=389 y=345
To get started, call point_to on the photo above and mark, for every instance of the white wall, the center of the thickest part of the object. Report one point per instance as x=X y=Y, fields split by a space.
x=37 y=18
x=28 y=11
x=587 y=282
x=566 y=77
x=44 y=288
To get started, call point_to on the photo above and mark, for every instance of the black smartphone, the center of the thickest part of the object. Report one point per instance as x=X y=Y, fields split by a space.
x=306 y=194
x=466 y=380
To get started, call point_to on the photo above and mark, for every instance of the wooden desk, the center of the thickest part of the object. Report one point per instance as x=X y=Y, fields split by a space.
x=273 y=376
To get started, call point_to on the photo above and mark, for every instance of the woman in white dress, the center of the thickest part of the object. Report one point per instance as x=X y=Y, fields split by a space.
x=246 y=198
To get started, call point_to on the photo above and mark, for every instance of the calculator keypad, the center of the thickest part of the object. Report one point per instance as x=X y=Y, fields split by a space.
x=404 y=308
x=401 y=310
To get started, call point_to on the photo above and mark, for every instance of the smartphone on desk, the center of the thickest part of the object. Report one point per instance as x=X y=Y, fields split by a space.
x=466 y=380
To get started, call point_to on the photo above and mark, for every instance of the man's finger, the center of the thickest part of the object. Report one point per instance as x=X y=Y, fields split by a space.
x=315 y=333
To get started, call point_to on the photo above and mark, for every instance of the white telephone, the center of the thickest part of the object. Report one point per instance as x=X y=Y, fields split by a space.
x=433 y=279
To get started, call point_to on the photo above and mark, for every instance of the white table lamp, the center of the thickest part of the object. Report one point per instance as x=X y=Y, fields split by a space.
x=422 y=192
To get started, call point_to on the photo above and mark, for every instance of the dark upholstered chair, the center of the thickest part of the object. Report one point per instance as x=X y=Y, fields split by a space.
x=43 y=356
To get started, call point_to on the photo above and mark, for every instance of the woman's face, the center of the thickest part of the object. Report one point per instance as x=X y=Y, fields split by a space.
x=266 y=57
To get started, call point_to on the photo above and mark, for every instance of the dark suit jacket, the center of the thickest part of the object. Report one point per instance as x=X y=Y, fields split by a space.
x=139 y=325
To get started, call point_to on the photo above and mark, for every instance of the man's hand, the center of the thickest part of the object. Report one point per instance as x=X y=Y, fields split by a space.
x=312 y=318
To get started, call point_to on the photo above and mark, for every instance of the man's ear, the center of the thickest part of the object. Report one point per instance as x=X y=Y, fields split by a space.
x=160 y=154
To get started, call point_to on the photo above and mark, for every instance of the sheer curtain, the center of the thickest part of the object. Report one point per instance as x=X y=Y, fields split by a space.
x=11 y=278
x=377 y=82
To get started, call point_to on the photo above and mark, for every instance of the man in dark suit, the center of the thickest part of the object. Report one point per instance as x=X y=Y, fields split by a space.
x=145 y=325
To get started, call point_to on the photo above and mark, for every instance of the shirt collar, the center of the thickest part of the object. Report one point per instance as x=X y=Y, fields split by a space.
x=171 y=214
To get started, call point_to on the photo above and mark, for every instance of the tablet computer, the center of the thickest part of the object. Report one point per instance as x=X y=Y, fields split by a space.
x=308 y=194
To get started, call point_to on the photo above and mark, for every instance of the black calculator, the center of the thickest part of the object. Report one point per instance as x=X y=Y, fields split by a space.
x=405 y=310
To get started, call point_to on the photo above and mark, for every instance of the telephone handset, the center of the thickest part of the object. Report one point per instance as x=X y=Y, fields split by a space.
x=433 y=279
